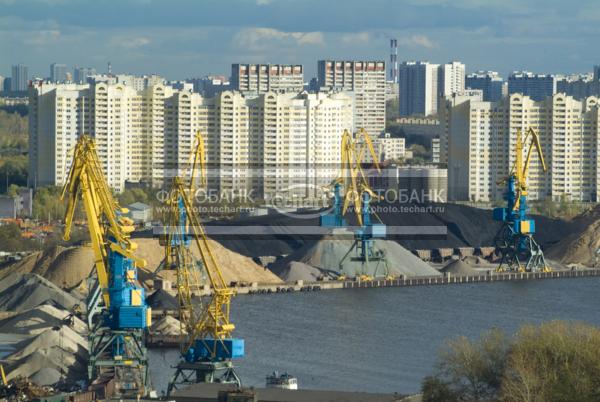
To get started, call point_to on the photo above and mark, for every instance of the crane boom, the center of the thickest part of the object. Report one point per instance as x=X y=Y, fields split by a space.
x=352 y=175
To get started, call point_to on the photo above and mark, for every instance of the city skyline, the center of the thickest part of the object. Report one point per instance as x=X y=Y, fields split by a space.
x=178 y=41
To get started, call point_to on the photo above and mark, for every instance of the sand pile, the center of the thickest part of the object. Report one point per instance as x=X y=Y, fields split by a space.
x=579 y=247
x=162 y=300
x=65 y=267
x=40 y=318
x=460 y=268
x=235 y=267
x=326 y=254
x=21 y=292
x=168 y=325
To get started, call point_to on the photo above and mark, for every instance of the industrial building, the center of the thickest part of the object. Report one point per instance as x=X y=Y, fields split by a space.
x=366 y=79
x=481 y=149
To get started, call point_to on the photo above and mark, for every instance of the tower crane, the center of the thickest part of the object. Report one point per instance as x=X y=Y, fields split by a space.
x=515 y=241
x=117 y=314
x=352 y=189
x=208 y=348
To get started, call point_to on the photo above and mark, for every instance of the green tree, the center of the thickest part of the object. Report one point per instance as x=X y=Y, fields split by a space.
x=557 y=361
x=47 y=203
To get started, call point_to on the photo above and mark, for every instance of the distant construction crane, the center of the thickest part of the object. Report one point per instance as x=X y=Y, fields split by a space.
x=358 y=195
x=208 y=348
x=518 y=248
x=117 y=314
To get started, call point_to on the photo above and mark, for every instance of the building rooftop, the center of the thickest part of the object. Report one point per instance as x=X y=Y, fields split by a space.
x=209 y=392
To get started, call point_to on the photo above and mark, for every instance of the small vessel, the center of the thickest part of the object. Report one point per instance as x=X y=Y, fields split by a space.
x=283 y=381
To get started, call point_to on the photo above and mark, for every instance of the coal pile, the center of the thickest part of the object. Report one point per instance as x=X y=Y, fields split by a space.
x=162 y=300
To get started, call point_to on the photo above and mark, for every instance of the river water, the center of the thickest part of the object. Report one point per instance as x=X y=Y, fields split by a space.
x=386 y=339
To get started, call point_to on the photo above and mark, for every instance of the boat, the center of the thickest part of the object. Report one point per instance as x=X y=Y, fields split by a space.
x=283 y=381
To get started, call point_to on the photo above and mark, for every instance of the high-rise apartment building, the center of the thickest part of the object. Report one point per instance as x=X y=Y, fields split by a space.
x=19 y=79
x=266 y=144
x=579 y=86
x=366 y=79
x=210 y=85
x=489 y=82
x=451 y=78
x=418 y=87
x=481 y=147
x=81 y=74
x=58 y=72
x=260 y=78
x=536 y=86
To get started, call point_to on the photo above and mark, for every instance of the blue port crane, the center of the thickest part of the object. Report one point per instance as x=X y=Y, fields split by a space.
x=208 y=348
x=117 y=314
x=518 y=249
x=351 y=190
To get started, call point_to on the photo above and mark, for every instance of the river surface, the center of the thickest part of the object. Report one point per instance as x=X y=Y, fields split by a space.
x=386 y=339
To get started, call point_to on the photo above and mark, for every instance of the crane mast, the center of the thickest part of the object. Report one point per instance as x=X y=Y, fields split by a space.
x=117 y=314
x=518 y=248
x=208 y=348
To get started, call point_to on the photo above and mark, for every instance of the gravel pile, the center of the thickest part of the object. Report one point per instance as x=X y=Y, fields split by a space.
x=325 y=255
x=460 y=268
x=55 y=346
x=40 y=318
x=21 y=292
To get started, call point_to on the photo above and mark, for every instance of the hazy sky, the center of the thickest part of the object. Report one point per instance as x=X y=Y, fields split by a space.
x=188 y=38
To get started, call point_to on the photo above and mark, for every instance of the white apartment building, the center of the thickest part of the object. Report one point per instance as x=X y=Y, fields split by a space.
x=260 y=78
x=451 y=78
x=366 y=79
x=481 y=141
x=267 y=143
x=387 y=148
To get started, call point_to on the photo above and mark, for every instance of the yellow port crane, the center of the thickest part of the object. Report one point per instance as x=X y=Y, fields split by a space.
x=357 y=194
x=117 y=314
x=208 y=348
x=519 y=250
